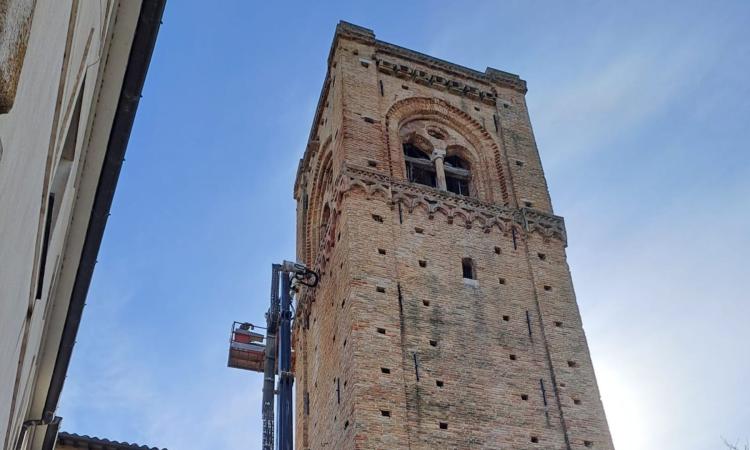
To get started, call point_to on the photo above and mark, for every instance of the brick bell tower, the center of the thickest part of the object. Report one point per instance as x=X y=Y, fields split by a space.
x=445 y=316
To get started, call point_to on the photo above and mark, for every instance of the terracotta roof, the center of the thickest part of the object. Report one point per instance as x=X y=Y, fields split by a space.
x=95 y=443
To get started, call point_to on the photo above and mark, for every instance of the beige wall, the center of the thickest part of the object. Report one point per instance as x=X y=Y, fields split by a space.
x=61 y=116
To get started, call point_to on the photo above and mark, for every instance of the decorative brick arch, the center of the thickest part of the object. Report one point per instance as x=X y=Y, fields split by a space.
x=316 y=201
x=443 y=112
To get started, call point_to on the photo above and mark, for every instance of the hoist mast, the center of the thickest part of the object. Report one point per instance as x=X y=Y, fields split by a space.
x=272 y=354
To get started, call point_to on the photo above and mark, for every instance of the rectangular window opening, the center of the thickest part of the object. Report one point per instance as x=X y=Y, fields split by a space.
x=433 y=343
x=467 y=267
x=426 y=302
x=525 y=397
x=512 y=357
x=547 y=288
x=419 y=230
x=558 y=323
x=542 y=256
x=380 y=289
x=534 y=439
x=385 y=370
x=506 y=318
x=439 y=383
x=422 y=263
x=377 y=218
x=443 y=425
x=501 y=280
x=381 y=330
x=498 y=250
x=572 y=364
x=381 y=251
x=385 y=413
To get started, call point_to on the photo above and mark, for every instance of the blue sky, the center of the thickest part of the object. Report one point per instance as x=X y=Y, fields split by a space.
x=641 y=114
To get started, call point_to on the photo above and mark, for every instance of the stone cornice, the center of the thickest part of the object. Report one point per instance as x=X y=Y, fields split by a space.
x=489 y=76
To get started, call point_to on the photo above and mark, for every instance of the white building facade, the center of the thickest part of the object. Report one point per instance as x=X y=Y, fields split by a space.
x=71 y=75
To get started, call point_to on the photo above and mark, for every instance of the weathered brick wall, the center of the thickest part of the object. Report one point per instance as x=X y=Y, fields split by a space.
x=395 y=349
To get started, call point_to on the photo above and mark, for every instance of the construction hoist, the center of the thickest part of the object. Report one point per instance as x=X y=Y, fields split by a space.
x=272 y=354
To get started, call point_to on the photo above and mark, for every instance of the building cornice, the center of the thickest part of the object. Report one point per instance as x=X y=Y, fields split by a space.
x=489 y=76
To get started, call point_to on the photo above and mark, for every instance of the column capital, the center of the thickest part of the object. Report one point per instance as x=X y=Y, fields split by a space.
x=437 y=153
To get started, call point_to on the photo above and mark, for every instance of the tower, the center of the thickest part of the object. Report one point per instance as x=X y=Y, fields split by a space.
x=445 y=316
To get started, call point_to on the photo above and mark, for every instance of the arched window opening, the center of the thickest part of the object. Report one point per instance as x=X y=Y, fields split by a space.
x=457 y=175
x=419 y=168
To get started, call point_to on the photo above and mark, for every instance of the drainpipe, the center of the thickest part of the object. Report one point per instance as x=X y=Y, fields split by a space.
x=49 y=419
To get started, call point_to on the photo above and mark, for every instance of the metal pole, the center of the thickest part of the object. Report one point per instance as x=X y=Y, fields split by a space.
x=286 y=379
x=269 y=370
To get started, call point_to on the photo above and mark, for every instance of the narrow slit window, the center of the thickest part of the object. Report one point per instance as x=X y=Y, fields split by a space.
x=467 y=267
